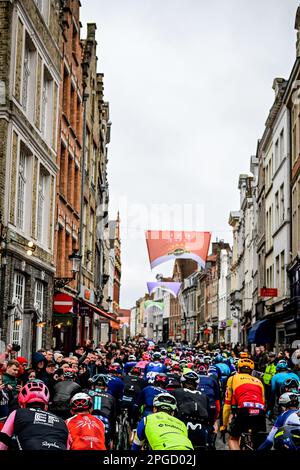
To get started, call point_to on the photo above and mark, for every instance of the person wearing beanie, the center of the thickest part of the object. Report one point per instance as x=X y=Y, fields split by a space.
x=39 y=364
x=58 y=357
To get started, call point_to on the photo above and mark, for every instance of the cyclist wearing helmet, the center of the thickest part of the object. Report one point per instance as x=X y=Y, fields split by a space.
x=146 y=397
x=115 y=385
x=32 y=425
x=245 y=400
x=290 y=385
x=209 y=385
x=133 y=385
x=63 y=392
x=193 y=409
x=104 y=405
x=155 y=365
x=223 y=370
x=282 y=374
x=131 y=363
x=86 y=432
x=161 y=429
x=290 y=417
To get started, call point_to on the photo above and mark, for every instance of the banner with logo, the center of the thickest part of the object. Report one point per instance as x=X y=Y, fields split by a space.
x=171 y=287
x=165 y=245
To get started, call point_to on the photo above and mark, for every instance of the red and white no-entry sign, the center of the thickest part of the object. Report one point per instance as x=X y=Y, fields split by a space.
x=62 y=303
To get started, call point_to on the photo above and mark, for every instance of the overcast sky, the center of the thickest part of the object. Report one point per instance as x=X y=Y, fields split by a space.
x=189 y=84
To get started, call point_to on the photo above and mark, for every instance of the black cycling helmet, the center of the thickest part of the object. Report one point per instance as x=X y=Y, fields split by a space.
x=99 y=379
x=161 y=379
x=287 y=438
x=290 y=385
x=190 y=377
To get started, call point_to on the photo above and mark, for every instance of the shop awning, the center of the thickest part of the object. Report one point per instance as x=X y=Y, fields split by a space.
x=99 y=311
x=262 y=332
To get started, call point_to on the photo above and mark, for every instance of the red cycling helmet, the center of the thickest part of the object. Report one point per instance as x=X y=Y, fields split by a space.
x=115 y=368
x=146 y=357
x=35 y=391
x=176 y=368
x=190 y=365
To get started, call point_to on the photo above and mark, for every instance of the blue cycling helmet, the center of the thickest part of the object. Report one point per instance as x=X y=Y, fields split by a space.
x=281 y=365
x=218 y=359
x=287 y=438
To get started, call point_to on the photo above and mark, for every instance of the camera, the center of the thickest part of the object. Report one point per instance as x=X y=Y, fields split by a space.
x=16 y=347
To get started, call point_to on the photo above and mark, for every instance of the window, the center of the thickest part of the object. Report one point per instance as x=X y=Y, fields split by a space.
x=277 y=210
x=18 y=297
x=41 y=205
x=21 y=190
x=84 y=231
x=282 y=273
x=47 y=106
x=281 y=145
x=277 y=272
x=29 y=76
x=39 y=305
x=282 y=208
x=93 y=166
x=277 y=154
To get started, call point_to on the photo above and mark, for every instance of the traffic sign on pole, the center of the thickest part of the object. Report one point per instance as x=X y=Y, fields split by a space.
x=62 y=303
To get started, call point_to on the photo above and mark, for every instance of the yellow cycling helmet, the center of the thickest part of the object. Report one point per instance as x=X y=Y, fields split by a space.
x=243 y=355
x=246 y=362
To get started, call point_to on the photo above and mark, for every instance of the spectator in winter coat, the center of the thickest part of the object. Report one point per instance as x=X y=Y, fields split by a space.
x=39 y=364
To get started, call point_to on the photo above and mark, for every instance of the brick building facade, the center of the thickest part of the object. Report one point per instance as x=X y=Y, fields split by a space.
x=29 y=82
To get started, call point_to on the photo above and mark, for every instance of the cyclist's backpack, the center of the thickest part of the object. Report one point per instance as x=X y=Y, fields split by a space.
x=194 y=406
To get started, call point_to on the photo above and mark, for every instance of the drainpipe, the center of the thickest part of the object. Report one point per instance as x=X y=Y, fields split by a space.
x=81 y=248
x=290 y=190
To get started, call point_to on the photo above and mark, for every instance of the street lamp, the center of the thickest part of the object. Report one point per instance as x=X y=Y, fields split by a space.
x=60 y=282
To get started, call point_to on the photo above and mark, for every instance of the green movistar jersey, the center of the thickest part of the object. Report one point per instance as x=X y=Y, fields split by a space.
x=164 y=432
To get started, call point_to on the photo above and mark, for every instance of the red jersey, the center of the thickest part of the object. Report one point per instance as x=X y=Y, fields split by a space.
x=86 y=432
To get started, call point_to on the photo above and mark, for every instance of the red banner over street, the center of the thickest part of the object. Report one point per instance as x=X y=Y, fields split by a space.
x=165 y=245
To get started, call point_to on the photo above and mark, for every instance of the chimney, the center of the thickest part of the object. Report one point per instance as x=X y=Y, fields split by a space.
x=91 y=31
x=297 y=27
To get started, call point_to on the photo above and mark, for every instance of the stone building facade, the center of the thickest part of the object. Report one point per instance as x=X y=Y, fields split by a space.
x=30 y=76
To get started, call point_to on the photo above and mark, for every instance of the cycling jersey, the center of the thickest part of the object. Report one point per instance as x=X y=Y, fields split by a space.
x=103 y=404
x=116 y=387
x=243 y=391
x=34 y=429
x=210 y=387
x=146 y=398
x=128 y=366
x=278 y=380
x=63 y=392
x=163 y=432
x=155 y=367
x=86 y=432
x=289 y=417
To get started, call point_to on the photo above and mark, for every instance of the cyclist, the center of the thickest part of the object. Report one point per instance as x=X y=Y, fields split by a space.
x=146 y=397
x=63 y=391
x=86 y=432
x=131 y=363
x=290 y=403
x=104 y=405
x=287 y=438
x=193 y=409
x=209 y=385
x=245 y=400
x=223 y=371
x=32 y=425
x=282 y=374
x=161 y=429
x=155 y=365
x=115 y=384
x=133 y=385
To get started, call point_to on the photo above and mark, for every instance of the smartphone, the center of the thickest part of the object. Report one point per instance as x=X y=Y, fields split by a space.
x=71 y=355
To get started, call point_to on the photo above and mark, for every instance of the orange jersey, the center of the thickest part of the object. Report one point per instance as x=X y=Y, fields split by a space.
x=86 y=432
x=245 y=391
